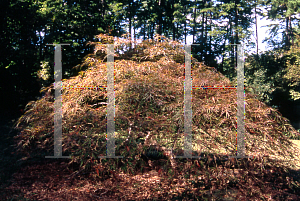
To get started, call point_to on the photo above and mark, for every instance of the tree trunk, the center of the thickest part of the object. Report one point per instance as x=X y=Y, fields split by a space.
x=159 y=26
x=202 y=37
x=287 y=32
x=185 y=25
x=173 y=24
x=291 y=31
x=210 y=57
x=194 y=28
x=256 y=29
x=236 y=30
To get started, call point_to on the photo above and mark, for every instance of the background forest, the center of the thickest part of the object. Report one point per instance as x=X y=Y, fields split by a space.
x=26 y=62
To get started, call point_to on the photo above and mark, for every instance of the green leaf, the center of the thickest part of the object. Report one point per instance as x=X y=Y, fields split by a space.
x=11 y=64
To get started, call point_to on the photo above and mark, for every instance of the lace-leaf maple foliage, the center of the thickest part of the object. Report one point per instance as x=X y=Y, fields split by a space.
x=149 y=111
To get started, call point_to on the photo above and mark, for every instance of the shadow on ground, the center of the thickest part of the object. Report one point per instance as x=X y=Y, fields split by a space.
x=19 y=177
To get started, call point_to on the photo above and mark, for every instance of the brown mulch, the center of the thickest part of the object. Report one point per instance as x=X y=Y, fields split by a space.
x=53 y=181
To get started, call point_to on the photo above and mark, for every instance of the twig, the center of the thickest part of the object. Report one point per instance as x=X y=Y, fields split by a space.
x=101 y=103
x=96 y=196
x=75 y=173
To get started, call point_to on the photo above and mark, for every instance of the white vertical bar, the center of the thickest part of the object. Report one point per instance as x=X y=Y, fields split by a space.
x=240 y=104
x=110 y=104
x=57 y=104
x=188 y=115
x=188 y=104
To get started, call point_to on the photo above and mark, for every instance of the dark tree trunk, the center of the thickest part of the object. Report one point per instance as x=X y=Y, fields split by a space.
x=256 y=30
